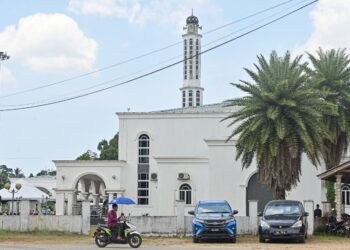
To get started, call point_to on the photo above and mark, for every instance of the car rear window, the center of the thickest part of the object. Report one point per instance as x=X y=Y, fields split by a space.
x=214 y=208
x=282 y=209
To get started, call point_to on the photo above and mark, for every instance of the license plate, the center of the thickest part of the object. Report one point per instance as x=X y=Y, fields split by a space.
x=280 y=232
x=215 y=230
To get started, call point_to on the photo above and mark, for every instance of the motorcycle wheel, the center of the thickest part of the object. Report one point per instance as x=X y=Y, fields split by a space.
x=101 y=240
x=135 y=240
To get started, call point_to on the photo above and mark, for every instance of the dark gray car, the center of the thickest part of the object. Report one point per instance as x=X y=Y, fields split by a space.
x=283 y=219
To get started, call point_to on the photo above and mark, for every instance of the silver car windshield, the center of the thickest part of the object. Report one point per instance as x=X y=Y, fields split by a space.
x=282 y=209
x=214 y=208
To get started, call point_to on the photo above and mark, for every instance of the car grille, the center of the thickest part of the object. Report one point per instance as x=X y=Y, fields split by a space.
x=215 y=224
x=280 y=226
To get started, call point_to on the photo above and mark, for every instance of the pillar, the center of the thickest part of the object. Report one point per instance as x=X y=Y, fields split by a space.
x=253 y=216
x=180 y=218
x=96 y=199
x=70 y=203
x=86 y=216
x=59 y=203
x=24 y=217
x=338 y=200
x=309 y=208
x=326 y=208
x=110 y=197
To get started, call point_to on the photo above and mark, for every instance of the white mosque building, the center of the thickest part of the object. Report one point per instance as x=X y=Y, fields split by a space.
x=176 y=154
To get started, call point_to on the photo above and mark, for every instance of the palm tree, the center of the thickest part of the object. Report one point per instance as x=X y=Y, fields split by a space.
x=17 y=173
x=278 y=121
x=331 y=74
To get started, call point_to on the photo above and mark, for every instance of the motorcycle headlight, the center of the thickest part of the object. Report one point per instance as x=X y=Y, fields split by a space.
x=299 y=223
x=264 y=224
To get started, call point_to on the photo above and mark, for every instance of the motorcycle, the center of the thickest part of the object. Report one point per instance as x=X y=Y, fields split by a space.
x=104 y=236
x=335 y=227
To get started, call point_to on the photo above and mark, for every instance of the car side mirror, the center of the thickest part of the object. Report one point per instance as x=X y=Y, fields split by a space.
x=306 y=214
x=191 y=212
x=260 y=214
x=235 y=211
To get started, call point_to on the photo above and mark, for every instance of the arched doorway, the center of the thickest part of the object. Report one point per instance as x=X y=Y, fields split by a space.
x=346 y=199
x=257 y=191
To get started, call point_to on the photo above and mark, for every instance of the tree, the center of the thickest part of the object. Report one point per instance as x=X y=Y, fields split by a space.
x=5 y=173
x=88 y=155
x=46 y=172
x=18 y=173
x=278 y=121
x=331 y=74
x=108 y=150
x=31 y=175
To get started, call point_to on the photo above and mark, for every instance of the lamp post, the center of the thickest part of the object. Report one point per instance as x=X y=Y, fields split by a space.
x=14 y=190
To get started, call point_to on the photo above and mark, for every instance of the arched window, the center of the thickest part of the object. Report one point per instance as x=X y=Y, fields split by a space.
x=144 y=149
x=185 y=193
x=198 y=98
x=345 y=195
x=183 y=98
x=190 y=98
x=143 y=172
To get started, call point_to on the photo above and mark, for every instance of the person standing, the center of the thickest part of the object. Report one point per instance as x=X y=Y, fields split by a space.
x=317 y=211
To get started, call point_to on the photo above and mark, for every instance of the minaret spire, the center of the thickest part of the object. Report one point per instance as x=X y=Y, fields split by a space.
x=192 y=92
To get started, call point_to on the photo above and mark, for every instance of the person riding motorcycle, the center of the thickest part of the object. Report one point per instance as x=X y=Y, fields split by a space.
x=116 y=223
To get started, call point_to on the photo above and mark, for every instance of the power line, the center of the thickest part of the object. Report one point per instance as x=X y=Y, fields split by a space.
x=162 y=68
x=142 y=55
x=150 y=67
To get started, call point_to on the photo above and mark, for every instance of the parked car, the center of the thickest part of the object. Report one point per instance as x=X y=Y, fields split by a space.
x=283 y=219
x=214 y=220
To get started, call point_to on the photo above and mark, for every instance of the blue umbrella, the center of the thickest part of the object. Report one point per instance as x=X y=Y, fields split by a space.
x=122 y=200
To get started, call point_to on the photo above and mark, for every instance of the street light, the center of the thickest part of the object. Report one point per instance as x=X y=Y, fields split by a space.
x=14 y=190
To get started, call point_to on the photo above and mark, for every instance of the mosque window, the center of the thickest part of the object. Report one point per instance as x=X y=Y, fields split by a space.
x=190 y=98
x=198 y=96
x=143 y=175
x=185 y=193
x=183 y=98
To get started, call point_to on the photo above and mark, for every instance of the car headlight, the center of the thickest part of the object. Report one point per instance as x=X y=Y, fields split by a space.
x=198 y=220
x=299 y=223
x=264 y=224
x=230 y=220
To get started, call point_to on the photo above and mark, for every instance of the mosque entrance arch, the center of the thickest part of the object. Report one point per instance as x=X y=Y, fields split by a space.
x=257 y=191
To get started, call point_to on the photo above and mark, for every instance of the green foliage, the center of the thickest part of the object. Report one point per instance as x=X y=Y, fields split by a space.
x=108 y=150
x=330 y=193
x=45 y=172
x=278 y=121
x=331 y=74
x=5 y=173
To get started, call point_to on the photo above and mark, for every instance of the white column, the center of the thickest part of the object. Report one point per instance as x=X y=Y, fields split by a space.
x=25 y=212
x=70 y=203
x=110 y=197
x=338 y=202
x=180 y=218
x=59 y=203
x=96 y=199
x=309 y=208
x=86 y=217
x=253 y=216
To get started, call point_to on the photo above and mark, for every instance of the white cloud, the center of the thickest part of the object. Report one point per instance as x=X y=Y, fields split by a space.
x=6 y=76
x=139 y=12
x=331 y=21
x=49 y=43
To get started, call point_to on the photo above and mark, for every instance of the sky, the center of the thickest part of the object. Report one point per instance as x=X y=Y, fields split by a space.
x=51 y=41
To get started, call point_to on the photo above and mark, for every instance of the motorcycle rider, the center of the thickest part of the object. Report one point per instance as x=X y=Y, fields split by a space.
x=115 y=223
